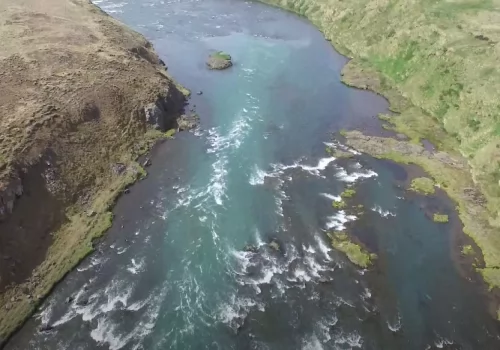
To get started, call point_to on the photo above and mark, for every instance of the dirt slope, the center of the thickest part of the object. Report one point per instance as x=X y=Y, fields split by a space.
x=80 y=97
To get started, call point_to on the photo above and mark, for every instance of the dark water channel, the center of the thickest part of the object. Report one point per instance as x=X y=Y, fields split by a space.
x=173 y=272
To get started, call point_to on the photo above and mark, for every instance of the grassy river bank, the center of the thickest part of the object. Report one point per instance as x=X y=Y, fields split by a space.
x=436 y=63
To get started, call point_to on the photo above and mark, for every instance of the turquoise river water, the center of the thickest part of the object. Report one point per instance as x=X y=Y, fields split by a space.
x=173 y=272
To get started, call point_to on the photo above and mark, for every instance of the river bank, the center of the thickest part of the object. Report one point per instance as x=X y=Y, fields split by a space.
x=85 y=97
x=426 y=66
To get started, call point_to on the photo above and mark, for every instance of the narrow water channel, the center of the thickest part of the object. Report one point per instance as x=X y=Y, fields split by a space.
x=176 y=270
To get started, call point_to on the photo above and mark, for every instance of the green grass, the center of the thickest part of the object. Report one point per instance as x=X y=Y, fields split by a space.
x=354 y=252
x=440 y=218
x=170 y=133
x=222 y=55
x=348 y=193
x=467 y=250
x=436 y=63
x=454 y=178
x=422 y=185
x=339 y=204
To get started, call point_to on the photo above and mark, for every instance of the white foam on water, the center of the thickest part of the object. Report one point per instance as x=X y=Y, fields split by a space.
x=258 y=239
x=313 y=267
x=312 y=343
x=113 y=7
x=45 y=315
x=441 y=342
x=257 y=176
x=342 y=175
x=138 y=305
x=68 y=316
x=395 y=326
x=94 y=261
x=338 y=221
x=323 y=247
x=117 y=293
x=137 y=266
x=104 y=333
x=354 y=340
x=308 y=249
x=235 y=311
x=322 y=164
x=120 y=251
x=202 y=218
x=367 y=294
x=324 y=327
x=337 y=145
x=332 y=197
x=243 y=259
x=301 y=275
x=382 y=212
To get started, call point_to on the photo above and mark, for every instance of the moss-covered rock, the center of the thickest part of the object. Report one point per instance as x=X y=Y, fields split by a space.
x=441 y=218
x=348 y=193
x=219 y=60
x=422 y=185
x=339 y=204
x=354 y=252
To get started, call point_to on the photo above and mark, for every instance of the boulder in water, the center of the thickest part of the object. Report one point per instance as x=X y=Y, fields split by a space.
x=251 y=248
x=219 y=60
x=185 y=122
x=274 y=245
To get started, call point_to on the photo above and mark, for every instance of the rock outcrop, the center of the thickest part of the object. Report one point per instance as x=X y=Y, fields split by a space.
x=81 y=95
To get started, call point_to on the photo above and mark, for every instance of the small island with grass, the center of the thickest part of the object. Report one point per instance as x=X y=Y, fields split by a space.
x=354 y=252
x=219 y=60
x=422 y=185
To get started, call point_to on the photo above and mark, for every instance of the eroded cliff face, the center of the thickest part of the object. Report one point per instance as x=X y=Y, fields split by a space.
x=81 y=93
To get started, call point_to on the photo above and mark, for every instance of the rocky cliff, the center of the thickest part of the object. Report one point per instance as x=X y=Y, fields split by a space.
x=82 y=97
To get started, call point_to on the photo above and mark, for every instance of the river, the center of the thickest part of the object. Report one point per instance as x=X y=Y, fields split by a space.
x=176 y=272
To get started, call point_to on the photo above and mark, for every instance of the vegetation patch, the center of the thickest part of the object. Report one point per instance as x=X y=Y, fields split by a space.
x=339 y=204
x=348 y=193
x=422 y=185
x=219 y=60
x=170 y=133
x=451 y=172
x=222 y=55
x=467 y=250
x=441 y=218
x=354 y=252
x=443 y=80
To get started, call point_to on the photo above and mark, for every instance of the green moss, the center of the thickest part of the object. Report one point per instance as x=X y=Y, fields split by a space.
x=339 y=204
x=337 y=153
x=422 y=185
x=467 y=250
x=170 y=133
x=348 y=193
x=441 y=218
x=222 y=55
x=353 y=251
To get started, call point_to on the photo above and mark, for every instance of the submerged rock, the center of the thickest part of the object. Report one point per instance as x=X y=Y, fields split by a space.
x=251 y=248
x=45 y=328
x=219 y=60
x=274 y=245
